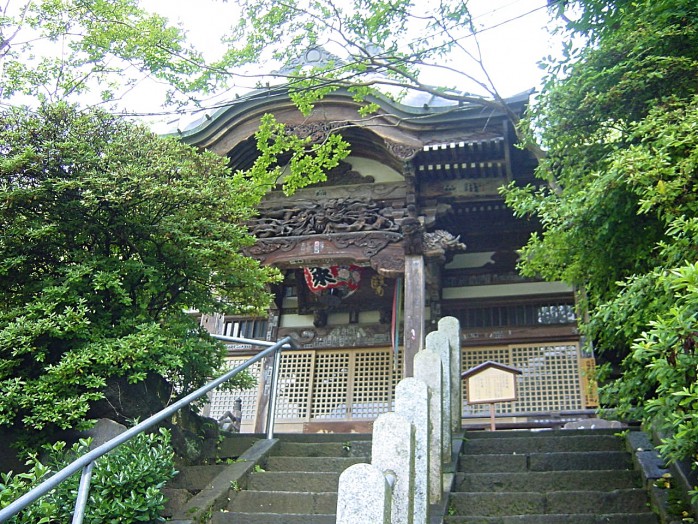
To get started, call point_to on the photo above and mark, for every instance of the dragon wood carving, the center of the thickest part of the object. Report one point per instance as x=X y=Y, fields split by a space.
x=336 y=215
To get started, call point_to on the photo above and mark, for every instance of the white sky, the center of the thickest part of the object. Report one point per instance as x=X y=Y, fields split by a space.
x=511 y=50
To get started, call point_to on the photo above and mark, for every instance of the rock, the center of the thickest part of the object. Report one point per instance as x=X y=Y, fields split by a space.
x=593 y=423
x=103 y=431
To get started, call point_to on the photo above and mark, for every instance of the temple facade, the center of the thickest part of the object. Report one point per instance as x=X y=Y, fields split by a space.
x=408 y=229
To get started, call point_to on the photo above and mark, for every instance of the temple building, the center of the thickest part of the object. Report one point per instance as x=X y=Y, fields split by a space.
x=408 y=229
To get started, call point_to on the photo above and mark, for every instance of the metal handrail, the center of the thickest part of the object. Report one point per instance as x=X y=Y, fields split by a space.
x=86 y=461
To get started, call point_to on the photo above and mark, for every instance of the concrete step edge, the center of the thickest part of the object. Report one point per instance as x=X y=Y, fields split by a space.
x=544 y=481
x=293 y=481
x=312 y=464
x=633 y=500
x=291 y=502
x=572 y=443
x=241 y=517
x=574 y=518
x=514 y=433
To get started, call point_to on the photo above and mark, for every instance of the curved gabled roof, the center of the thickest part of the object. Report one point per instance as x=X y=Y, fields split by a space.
x=426 y=119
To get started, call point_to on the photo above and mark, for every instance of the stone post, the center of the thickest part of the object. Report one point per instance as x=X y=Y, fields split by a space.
x=412 y=402
x=438 y=343
x=363 y=496
x=392 y=452
x=427 y=368
x=450 y=327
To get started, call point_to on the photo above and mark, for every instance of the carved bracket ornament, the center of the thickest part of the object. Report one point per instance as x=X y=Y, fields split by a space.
x=317 y=131
x=437 y=243
x=402 y=151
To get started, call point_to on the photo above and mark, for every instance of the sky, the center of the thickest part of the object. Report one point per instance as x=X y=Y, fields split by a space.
x=513 y=40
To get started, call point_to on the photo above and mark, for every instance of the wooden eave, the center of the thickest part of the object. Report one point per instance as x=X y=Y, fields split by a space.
x=397 y=130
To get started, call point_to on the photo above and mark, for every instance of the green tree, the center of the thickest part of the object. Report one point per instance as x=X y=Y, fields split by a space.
x=109 y=233
x=63 y=49
x=125 y=486
x=385 y=46
x=618 y=121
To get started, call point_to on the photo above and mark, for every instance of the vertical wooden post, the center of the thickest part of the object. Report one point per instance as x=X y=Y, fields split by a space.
x=413 y=338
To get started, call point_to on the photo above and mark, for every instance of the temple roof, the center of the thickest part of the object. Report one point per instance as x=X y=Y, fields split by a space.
x=416 y=113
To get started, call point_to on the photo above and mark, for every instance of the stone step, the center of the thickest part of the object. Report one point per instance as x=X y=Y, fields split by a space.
x=236 y=517
x=234 y=445
x=561 y=461
x=195 y=478
x=333 y=464
x=611 y=518
x=324 y=437
x=483 y=504
x=293 y=481
x=299 y=481
x=540 y=433
x=542 y=481
x=540 y=444
x=283 y=502
x=322 y=449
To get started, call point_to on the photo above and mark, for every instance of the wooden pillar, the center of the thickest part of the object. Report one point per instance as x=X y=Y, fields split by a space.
x=414 y=310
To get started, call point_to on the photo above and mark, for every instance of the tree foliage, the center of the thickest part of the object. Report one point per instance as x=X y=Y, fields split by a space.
x=64 y=49
x=373 y=45
x=126 y=484
x=109 y=234
x=618 y=121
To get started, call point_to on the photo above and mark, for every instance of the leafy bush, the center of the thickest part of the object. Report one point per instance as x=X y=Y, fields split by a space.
x=126 y=483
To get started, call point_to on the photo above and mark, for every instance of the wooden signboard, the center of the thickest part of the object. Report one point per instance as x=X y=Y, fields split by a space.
x=489 y=383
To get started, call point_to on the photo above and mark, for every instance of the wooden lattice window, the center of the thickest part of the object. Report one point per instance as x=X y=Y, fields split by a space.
x=373 y=384
x=295 y=384
x=331 y=385
x=589 y=385
x=222 y=400
x=550 y=379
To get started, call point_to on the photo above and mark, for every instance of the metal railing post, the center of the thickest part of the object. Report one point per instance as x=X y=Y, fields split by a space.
x=83 y=491
x=271 y=408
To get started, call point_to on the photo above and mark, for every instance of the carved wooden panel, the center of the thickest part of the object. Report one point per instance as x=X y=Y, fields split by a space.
x=324 y=250
x=334 y=215
x=353 y=335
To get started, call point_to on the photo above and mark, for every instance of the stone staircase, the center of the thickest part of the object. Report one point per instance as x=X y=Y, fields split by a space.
x=547 y=477
x=502 y=477
x=297 y=482
x=292 y=479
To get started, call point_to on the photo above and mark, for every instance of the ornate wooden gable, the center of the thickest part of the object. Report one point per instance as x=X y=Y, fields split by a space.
x=350 y=219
